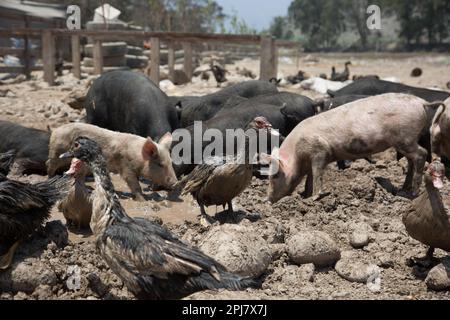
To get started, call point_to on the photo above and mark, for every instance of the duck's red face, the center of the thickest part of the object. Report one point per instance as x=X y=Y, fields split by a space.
x=437 y=172
x=262 y=123
x=75 y=167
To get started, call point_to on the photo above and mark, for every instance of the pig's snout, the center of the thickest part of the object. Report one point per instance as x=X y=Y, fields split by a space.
x=170 y=182
x=268 y=200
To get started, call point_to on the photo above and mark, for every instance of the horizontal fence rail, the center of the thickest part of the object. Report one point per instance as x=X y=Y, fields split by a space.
x=268 y=49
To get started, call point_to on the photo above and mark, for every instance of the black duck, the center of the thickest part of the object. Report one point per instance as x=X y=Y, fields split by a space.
x=341 y=76
x=222 y=178
x=151 y=262
x=24 y=208
x=219 y=73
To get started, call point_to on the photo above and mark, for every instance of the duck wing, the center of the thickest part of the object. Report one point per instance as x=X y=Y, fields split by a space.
x=23 y=207
x=201 y=174
x=16 y=196
x=146 y=249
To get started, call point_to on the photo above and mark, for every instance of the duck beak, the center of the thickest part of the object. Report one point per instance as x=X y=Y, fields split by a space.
x=66 y=155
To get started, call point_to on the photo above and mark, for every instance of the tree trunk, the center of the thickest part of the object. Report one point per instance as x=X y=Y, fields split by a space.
x=360 y=25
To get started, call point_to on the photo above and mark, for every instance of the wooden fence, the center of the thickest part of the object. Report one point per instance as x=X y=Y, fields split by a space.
x=268 y=49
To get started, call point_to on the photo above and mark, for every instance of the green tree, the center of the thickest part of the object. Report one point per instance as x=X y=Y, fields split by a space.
x=321 y=21
x=421 y=18
x=356 y=17
x=277 y=27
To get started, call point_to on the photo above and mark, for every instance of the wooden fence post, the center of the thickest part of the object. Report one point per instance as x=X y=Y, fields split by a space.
x=26 y=52
x=171 y=60
x=76 y=63
x=277 y=58
x=48 y=56
x=154 y=60
x=187 y=47
x=268 y=64
x=98 y=57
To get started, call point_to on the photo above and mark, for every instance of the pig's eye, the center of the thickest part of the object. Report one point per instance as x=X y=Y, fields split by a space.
x=76 y=145
x=158 y=164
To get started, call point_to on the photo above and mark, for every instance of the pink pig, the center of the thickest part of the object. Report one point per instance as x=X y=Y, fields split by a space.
x=352 y=131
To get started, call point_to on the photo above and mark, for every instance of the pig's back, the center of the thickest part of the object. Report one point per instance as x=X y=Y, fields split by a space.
x=386 y=110
x=62 y=137
x=379 y=122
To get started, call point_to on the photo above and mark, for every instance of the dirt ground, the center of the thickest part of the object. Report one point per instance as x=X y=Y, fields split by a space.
x=355 y=196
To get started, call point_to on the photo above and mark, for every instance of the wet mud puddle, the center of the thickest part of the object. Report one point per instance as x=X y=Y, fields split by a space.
x=169 y=207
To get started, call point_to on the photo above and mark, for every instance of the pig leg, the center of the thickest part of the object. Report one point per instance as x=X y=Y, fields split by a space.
x=417 y=156
x=419 y=167
x=133 y=183
x=308 y=186
x=409 y=176
x=313 y=184
x=318 y=165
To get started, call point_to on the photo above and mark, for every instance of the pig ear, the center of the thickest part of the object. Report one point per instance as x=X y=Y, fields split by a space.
x=166 y=140
x=283 y=109
x=149 y=149
x=273 y=162
x=276 y=153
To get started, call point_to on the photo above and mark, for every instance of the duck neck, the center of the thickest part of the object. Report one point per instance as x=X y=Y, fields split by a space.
x=106 y=204
x=101 y=175
x=434 y=195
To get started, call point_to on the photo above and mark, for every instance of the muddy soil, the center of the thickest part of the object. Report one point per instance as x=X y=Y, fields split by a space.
x=44 y=266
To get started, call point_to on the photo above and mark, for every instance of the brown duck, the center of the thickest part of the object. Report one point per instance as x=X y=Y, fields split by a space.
x=341 y=76
x=77 y=206
x=151 y=262
x=220 y=179
x=427 y=220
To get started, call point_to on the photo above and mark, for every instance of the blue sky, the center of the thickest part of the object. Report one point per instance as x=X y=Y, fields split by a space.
x=257 y=13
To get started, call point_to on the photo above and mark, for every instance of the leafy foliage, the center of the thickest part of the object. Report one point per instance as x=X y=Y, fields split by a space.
x=322 y=22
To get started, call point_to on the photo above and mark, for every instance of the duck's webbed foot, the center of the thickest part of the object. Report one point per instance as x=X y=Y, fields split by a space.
x=205 y=220
x=6 y=259
x=230 y=207
x=424 y=262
